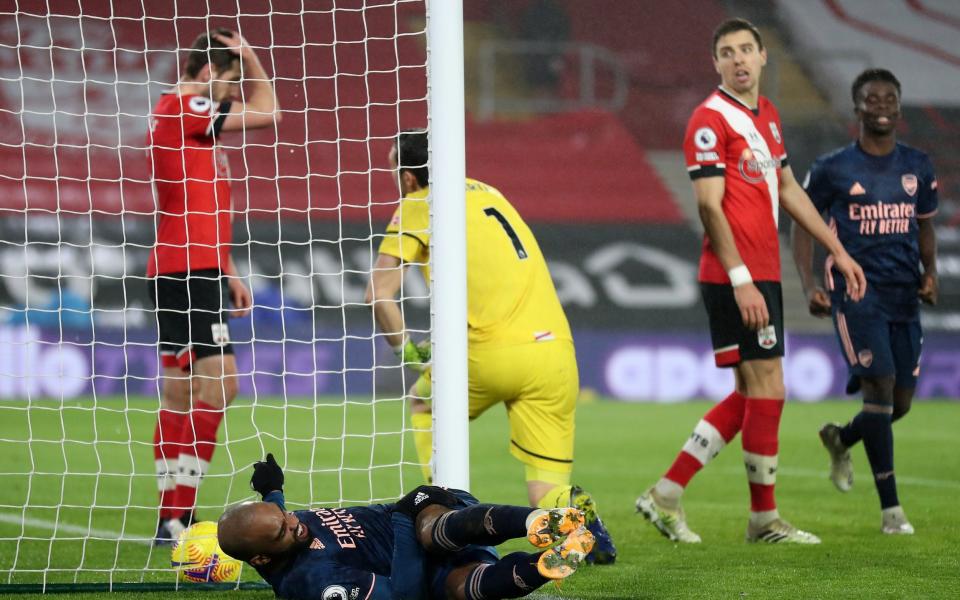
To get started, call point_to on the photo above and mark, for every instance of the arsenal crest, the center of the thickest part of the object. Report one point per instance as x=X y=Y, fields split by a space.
x=865 y=357
x=909 y=182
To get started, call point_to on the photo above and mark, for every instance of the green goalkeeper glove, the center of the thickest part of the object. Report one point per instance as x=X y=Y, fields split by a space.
x=415 y=356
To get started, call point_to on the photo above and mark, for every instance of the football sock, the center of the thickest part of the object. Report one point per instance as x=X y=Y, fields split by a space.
x=761 y=424
x=878 y=443
x=852 y=432
x=482 y=524
x=712 y=433
x=556 y=497
x=513 y=576
x=197 y=444
x=166 y=449
x=422 y=423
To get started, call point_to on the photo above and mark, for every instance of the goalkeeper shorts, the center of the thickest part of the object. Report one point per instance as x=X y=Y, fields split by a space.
x=539 y=384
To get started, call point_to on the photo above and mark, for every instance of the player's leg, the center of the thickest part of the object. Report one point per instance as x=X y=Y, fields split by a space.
x=541 y=415
x=661 y=503
x=421 y=420
x=214 y=369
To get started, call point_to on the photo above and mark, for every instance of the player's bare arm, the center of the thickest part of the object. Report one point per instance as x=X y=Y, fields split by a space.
x=753 y=308
x=382 y=289
x=257 y=108
x=817 y=298
x=239 y=293
x=795 y=201
x=929 y=285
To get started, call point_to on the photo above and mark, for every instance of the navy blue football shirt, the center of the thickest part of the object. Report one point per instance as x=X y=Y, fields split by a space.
x=873 y=203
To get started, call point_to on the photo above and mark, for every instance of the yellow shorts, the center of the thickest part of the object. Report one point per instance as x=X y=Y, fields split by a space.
x=538 y=383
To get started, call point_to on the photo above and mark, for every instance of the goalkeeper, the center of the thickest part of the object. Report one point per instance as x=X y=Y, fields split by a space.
x=381 y=551
x=520 y=349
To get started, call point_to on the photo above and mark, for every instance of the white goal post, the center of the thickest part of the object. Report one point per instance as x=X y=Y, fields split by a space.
x=80 y=384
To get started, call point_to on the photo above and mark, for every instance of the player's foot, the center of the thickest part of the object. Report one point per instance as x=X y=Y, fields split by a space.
x=779 y=531
x=561 y=561
x=841 y=467
x=671 y=523
x=551 y=526
x=895 y=522
x=604 y=551
x=168 y=530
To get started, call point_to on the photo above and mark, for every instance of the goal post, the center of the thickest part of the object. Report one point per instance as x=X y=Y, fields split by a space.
x=80 y=383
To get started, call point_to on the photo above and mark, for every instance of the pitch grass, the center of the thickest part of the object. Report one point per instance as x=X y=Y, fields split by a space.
x=621 y=449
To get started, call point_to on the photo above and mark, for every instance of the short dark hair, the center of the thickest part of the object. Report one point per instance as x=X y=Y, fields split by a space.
x=208 y=49
x=873 y=75
x=733 y=25
x=413 y=152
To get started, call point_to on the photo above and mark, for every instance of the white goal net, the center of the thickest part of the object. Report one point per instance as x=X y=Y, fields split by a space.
x=312 y=196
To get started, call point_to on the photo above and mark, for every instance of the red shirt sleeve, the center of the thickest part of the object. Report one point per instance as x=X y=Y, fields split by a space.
x=704 y=144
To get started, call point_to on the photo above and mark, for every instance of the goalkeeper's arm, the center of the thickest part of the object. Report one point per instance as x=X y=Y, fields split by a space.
x=382 y=290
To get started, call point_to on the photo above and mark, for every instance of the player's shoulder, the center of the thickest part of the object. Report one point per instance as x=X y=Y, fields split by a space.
x=479 y=187
x=707 y=109
x=835 y=156
x=766 y=106
x=175 y=104
x=913 y=155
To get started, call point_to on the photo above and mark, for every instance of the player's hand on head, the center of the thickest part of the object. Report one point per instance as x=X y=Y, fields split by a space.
x=929 y=288
x=267 y=476
x=818 y=302
x=753 y=308
x=240 y=297
x=234 y=42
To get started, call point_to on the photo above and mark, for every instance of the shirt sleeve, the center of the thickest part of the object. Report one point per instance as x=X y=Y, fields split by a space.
x=407 y=565
x=927 y=196
x=198 y=114
x=817 y=186
x=704 y=144
x=408 y=234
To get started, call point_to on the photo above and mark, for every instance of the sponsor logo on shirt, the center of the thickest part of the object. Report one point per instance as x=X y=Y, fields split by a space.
x=705 y=138
x=882 y=217
x=754 y=165
x=909 y=182
x=316 y=544
x=857 y=190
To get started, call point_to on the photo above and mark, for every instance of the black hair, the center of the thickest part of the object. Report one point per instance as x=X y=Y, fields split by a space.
x=413 y=152
x=208 y=49
x=733 y=25
x=873 y=75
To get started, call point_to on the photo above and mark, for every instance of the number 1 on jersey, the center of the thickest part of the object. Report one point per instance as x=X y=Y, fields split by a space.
x=517 y=244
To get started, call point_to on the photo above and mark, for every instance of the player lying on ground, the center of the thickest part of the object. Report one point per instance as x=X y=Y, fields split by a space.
x=881 y=197
x=433 y=543
x=520 y=349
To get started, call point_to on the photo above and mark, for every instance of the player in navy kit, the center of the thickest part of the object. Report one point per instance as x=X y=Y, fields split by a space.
x=879 y=196
x=432 y=543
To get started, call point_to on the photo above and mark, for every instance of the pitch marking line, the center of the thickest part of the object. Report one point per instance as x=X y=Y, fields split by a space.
x=83 y=532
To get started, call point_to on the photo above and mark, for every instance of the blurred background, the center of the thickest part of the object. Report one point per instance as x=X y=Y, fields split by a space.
x=576 y=112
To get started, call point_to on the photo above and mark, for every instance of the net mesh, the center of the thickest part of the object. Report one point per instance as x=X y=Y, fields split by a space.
x=79 y=386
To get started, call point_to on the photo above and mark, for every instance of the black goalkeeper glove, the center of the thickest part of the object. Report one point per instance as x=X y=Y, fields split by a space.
x=267 y=476
x=426 y=495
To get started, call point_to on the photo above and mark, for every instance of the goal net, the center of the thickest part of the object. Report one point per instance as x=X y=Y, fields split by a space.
x=312 y=196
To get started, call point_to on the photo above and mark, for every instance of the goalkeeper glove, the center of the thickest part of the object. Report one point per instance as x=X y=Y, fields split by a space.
x=415 y=356
x=267 y=476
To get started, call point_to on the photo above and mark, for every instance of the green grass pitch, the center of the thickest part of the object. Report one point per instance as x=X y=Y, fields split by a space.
x=621 y=448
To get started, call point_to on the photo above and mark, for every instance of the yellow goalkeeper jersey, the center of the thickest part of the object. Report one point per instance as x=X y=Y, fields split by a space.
x=510 y=295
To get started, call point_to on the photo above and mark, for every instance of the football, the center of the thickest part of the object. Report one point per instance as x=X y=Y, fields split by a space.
x=197 y=556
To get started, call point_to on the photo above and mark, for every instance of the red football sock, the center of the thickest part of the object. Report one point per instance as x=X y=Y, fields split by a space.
x=705 y=443
x=166 y=450
x=197 y=445
x=761 y=424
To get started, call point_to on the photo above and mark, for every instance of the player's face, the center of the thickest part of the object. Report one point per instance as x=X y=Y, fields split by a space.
x=226 y=84
x=275 y=532
x=739 y=60
x=878 y=107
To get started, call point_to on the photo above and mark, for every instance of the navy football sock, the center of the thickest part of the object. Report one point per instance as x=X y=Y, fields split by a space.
x=852 y=432
x=515 y=575
x=878 y=442
x=482 y=524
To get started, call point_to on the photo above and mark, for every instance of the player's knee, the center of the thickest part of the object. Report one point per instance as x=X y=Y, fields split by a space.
x=878 y=391
x=176 y=394
x=902 y=405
